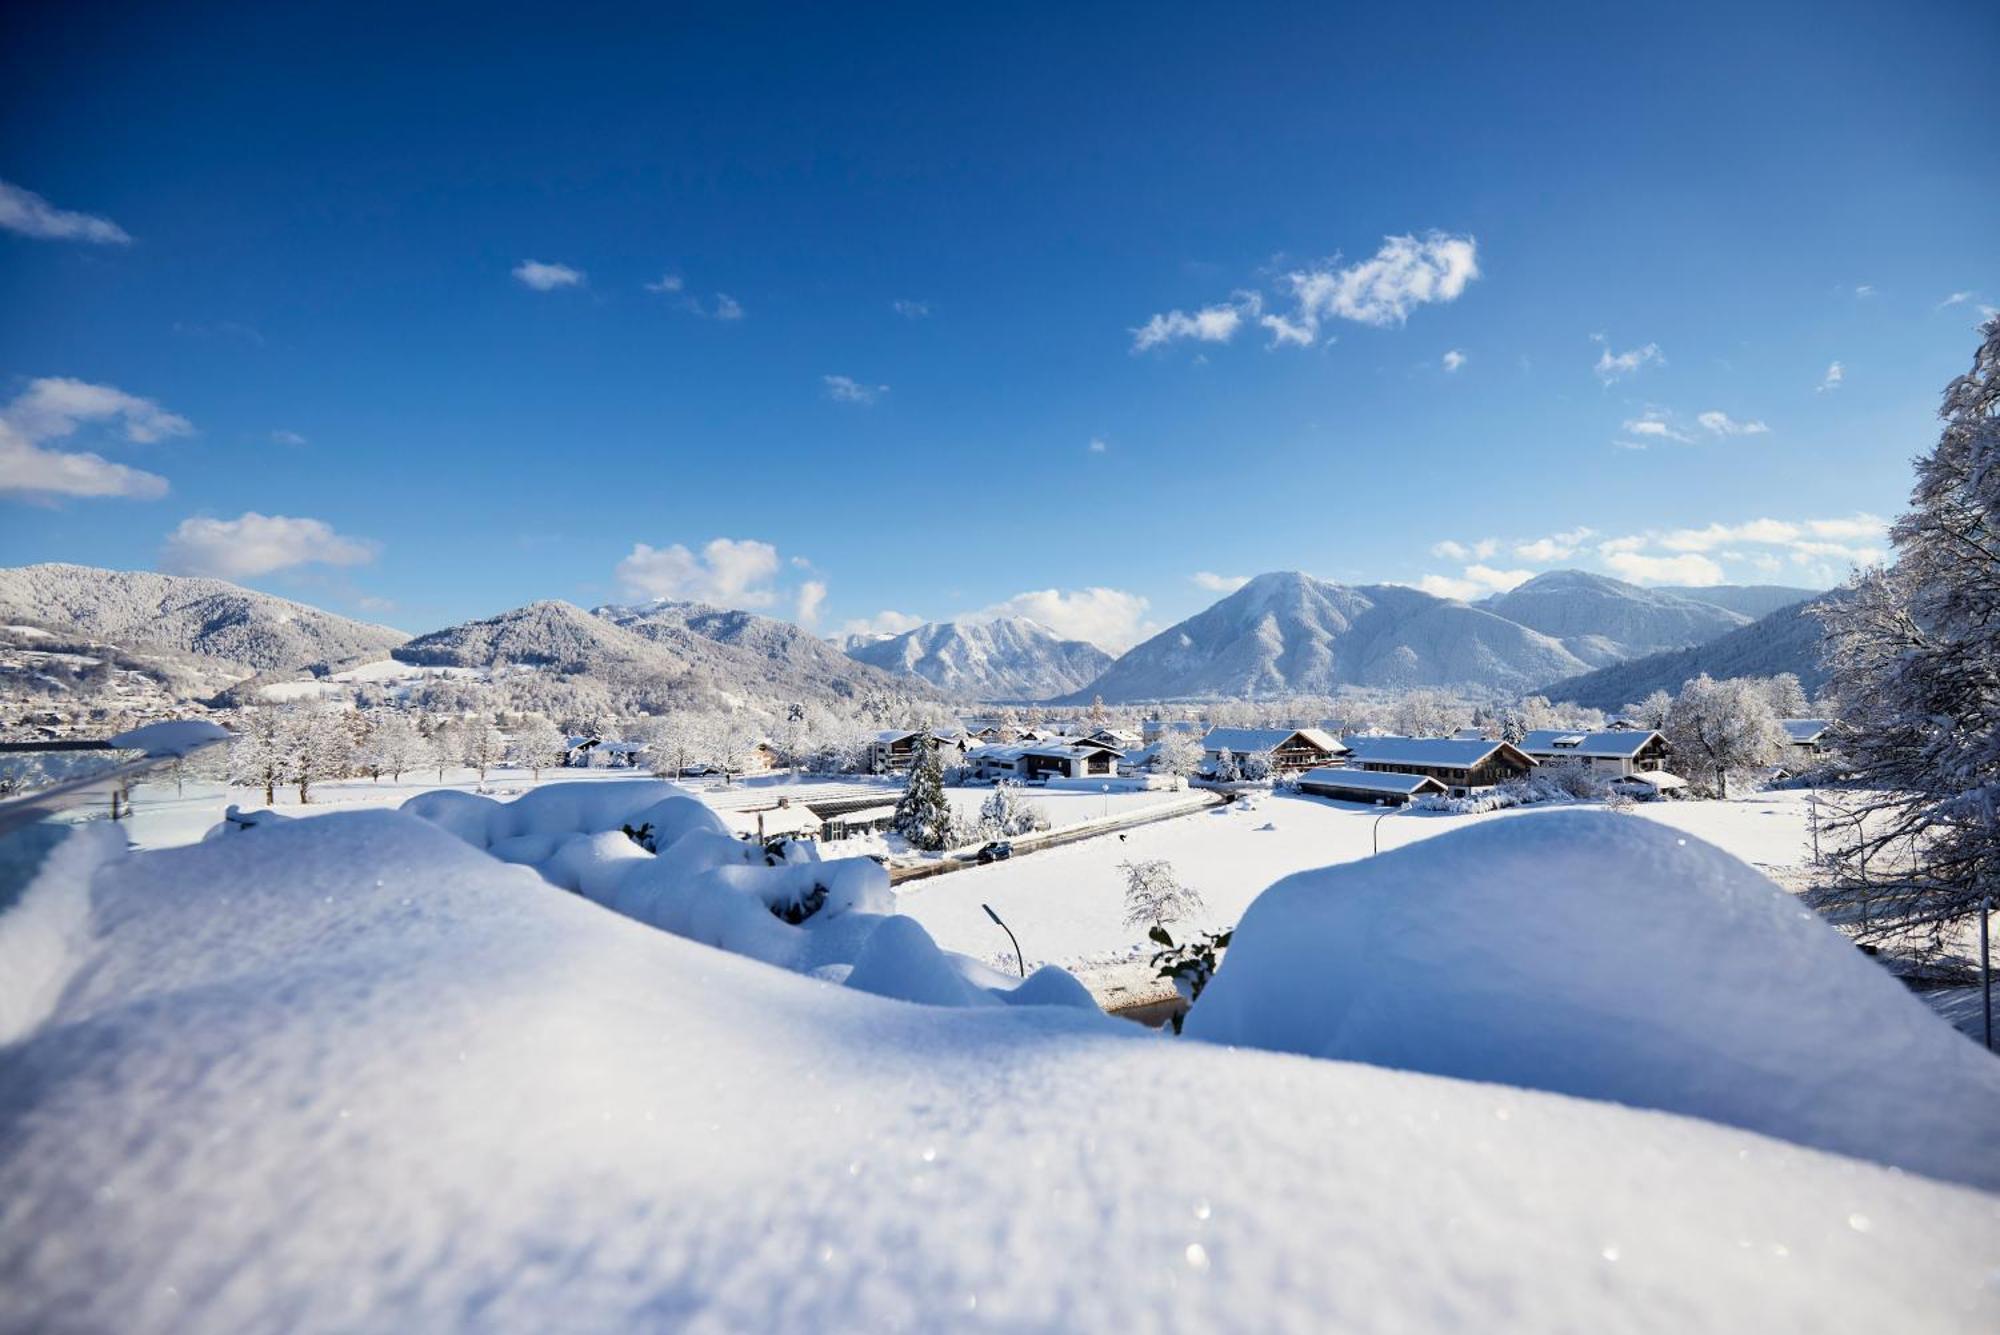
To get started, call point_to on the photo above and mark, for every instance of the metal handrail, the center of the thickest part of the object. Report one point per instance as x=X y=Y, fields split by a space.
x=66 y=794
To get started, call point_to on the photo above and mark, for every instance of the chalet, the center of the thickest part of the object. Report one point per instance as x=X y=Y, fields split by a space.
x=1030 y=762
x=1616 y=753
x=1345 y=784
x=1115 y=737
x=1808 y=735
x=1291 y=750
x=1460 y=765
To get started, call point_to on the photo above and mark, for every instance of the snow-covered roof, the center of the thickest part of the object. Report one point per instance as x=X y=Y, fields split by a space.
x=891 y=736
x=794 y=819
x=1805 y=730
x=1368 y=781
x=865 y=816
x=1255 y=741
x=1066 y=748
x=1614 y=744
x=1658 y=779
x=1446 y=752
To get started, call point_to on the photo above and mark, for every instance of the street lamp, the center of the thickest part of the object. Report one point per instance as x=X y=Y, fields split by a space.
x=1020 y=960
x=1375 y=831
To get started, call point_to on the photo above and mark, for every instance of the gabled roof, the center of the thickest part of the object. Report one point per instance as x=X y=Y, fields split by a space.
x=1066 y=748
x=893 y=735
x=1616 y=744
x=1254 y=741
x=1444 y=752
x=1804 y=730
x=1369 y=781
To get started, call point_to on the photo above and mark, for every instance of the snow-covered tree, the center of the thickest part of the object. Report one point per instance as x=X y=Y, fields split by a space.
x=481 y=746
x=446 y=744
x=1225 y=766
x=923 y=814
x=1650 y=712
x=1256 y=766
x=1009 y=724
x=1787 y=697
x=1154 y=895
x=1914 y=653
x=538 y=745
x=1005 y=814
x=257 y=752
x=1427 y=713
x=1178 y=753
x=391 y=744
x=317 y=747
x=1720 y=727
x=1097 y=715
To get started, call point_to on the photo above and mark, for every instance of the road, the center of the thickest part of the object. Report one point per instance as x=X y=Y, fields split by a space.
x=1034 y=843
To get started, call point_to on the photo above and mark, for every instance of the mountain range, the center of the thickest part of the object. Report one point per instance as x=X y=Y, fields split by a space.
x=1787 y=640
x=236 y=629
x=1567 y=633
x=1009 y=658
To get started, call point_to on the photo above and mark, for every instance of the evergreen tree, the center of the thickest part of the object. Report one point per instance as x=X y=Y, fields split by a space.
x=1914 y=653
x=923 y=815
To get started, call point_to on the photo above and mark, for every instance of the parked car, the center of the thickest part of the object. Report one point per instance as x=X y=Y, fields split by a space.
x=997 y=851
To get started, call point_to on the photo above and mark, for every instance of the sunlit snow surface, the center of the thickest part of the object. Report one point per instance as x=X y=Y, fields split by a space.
x=353 y=1074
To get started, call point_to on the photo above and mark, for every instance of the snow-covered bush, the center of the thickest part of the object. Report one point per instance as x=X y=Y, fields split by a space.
x=1005 y=814
x=1256 y=766
x=1611 y=959
x=1224 y=769
x=1154 y=895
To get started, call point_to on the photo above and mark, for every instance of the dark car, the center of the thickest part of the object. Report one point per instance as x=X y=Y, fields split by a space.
x=998 y=851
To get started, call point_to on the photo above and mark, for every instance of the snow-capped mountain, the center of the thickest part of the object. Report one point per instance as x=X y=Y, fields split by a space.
x=242 y=630
x=1009 y=658
x=1287 y=632
x=1752 y=600
x=1788 y=640
x=555 y=635
x=769 y=656
x=1603 y=620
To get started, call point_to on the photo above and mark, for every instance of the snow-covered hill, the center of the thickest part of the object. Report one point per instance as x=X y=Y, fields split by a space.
x=1751 y=600
x=1288 y=632
x=1604 y=620
x=207 y=617
x=1010 y=658
x=1788 y=640
x=763 y=653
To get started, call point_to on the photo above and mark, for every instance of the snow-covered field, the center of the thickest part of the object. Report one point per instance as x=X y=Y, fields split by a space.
x=163 y=816
x=351 y=1073
x=1067 y=904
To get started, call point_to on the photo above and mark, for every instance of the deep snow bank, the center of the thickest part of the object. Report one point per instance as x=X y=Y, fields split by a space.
x=1599 y=955
x=349 y=1074
x=788 y=907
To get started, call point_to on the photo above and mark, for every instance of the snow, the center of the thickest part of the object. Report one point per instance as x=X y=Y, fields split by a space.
x=704 y=883
x=176 y=737
x=351 y=1073
x=1587 y=953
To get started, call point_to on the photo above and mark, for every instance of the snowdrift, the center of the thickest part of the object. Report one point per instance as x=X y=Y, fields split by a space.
x=1608 y=957
x=348 y=1073
x=703 y=883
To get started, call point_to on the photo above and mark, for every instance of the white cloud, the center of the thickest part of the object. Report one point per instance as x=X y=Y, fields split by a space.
x=1612 y=366
x=1286 y=330
x=1453 y=360
x=57 y=407
x=1214 y=583
x=884 y=622
x=1477 y=582
x=1686 y=569
x=729 y=572
x=28 y=213
x=1628 y=444
x=1098 y=445
x=1656 y=424
x=846 y=389
x=810 y=595
x=1404 y=274
x=1834 y=375
x=668 y=282
x=1452 y=550
x=1722 y=424
x=1865 y=290
x=1955 y=299
x=1697 y=555
x=287 y=438
x=911 y=310
x=546 y=277
x=1111 y=619
x=1210 y=324
x=255 y=544
x=1555 y=547
x=727 y=307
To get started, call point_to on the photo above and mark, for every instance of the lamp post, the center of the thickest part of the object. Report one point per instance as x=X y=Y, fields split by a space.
x=1986 y=969
x=1375 y=831
x=1020 y=960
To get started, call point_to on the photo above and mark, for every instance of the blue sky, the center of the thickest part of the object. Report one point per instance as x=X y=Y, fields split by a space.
x=841 y=315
